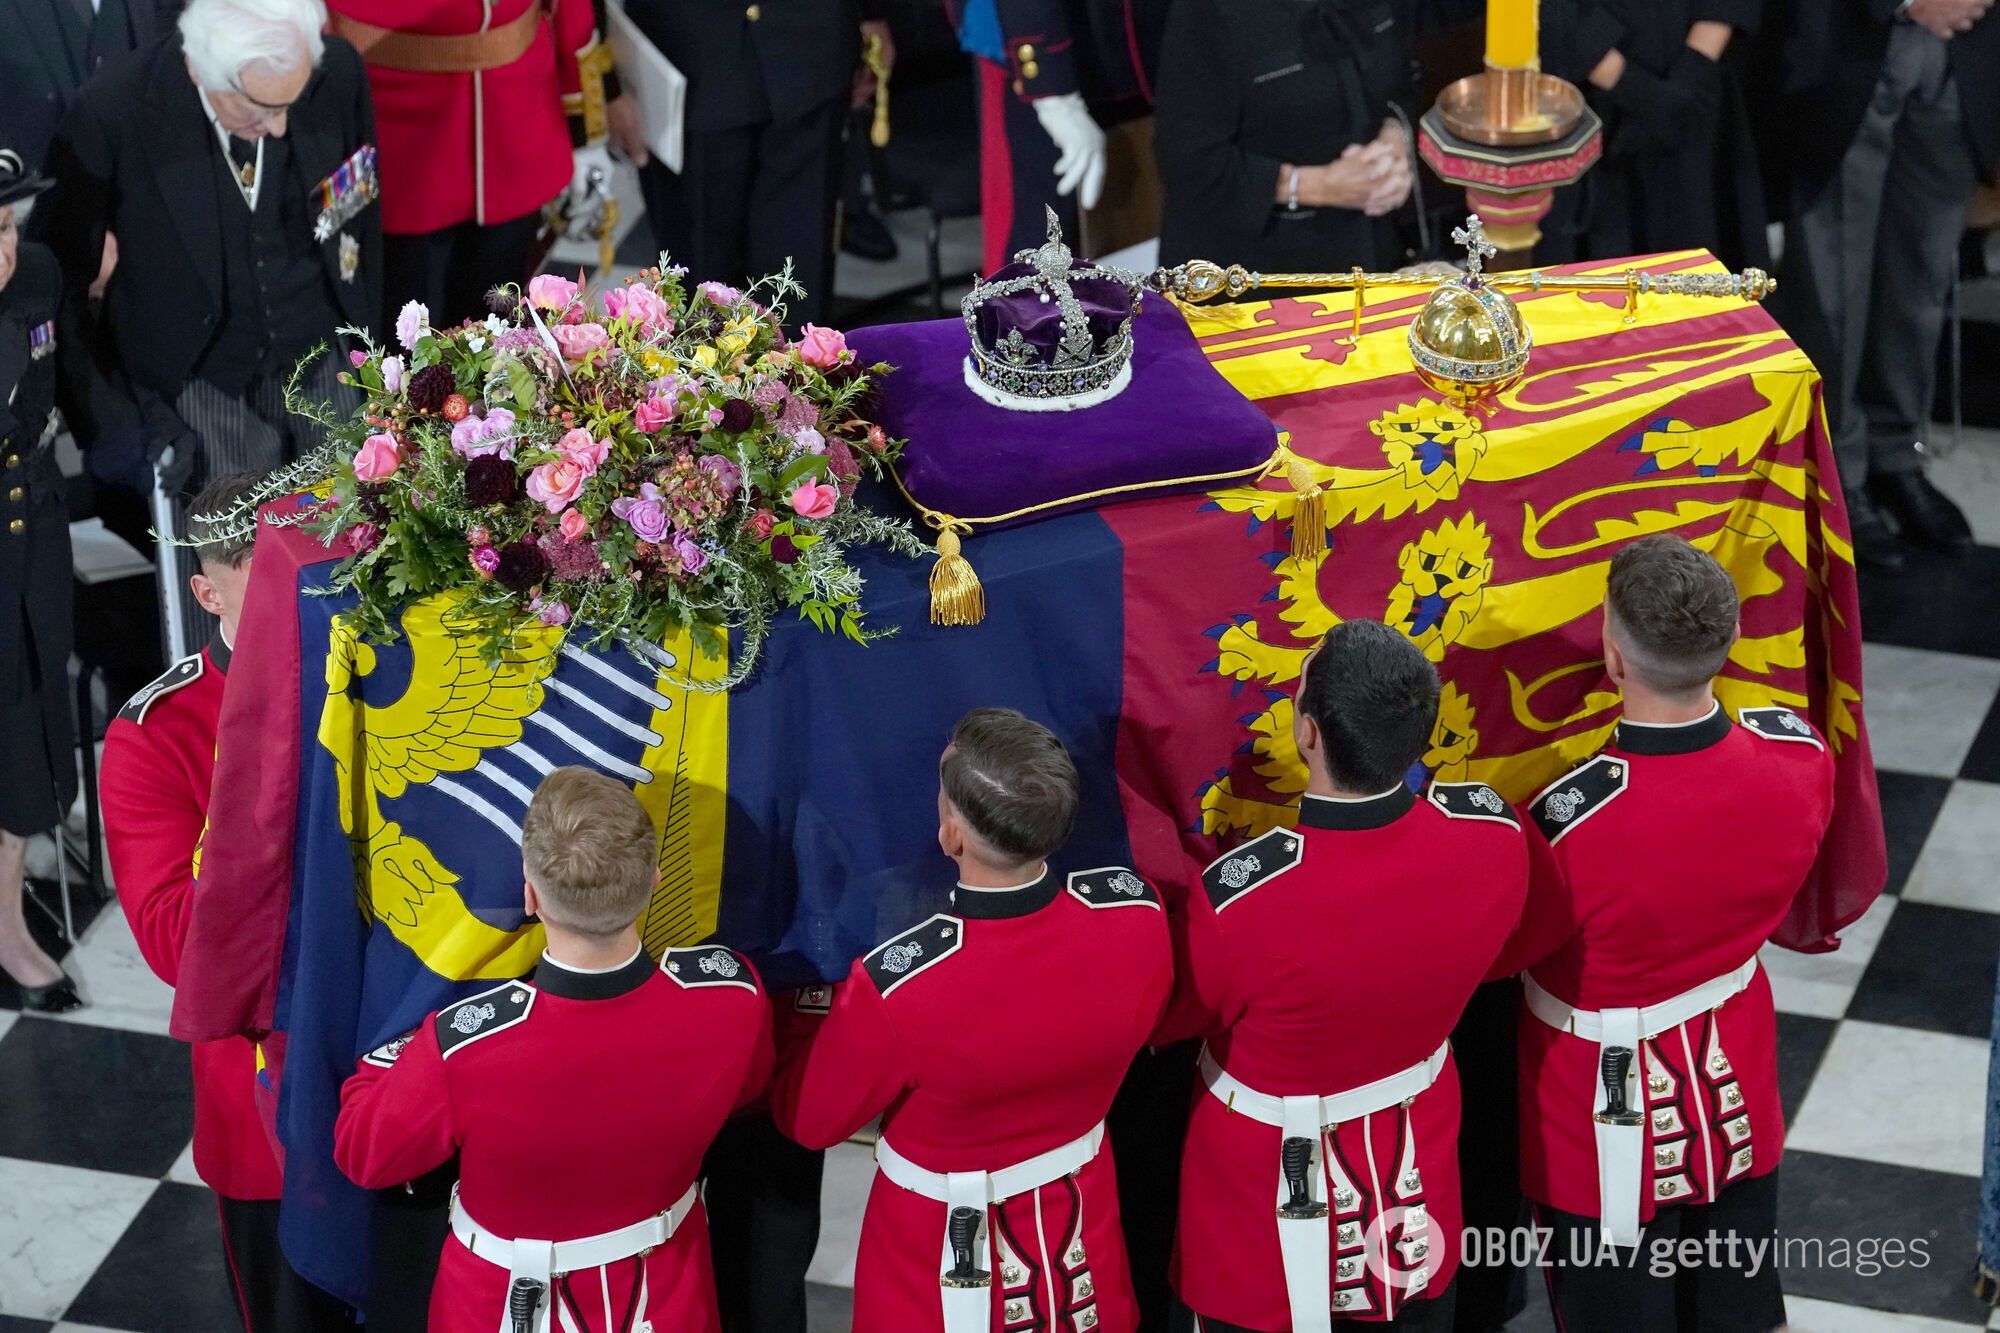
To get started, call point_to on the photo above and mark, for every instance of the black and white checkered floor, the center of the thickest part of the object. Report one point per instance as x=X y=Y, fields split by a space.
x=104 y=1225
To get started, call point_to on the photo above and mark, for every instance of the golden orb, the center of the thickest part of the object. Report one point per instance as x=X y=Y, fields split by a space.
x=1469 y=342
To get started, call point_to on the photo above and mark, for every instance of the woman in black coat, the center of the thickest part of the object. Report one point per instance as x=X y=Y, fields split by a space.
x=1279 y=135
x=38 y=775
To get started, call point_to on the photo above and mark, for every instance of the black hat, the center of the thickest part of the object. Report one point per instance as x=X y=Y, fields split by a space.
x=16 y=181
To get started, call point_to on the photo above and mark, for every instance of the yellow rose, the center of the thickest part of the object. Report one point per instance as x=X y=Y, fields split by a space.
x=704 y=356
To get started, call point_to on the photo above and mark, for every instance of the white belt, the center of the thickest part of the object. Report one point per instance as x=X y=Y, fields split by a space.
x=1621 y=1149
x=968 y=1304
x=543 y=1260
x=1305 y=1244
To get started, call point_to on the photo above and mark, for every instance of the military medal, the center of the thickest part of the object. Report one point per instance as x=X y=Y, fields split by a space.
x=350 y=257
x=42 y=340
x=342 y=195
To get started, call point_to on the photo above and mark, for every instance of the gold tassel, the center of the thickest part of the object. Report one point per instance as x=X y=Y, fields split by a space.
x=956 y=597
x=1309 y=515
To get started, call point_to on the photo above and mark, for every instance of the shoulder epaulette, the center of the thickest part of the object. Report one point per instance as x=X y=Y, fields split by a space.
x=385 y=1055
x=1578 y=795
x=1235 y=873
x=708 y=965
x=1113 y=886
x=1779 y=724
x=176 y=677
x=486 y=1013
x=816 y=999
x=915 y=949
x=1472 y=800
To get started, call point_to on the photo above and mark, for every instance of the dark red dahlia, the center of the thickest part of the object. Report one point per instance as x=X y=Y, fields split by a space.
x=522 y=566
x=737 y=414
x=782 y=549
x=430 y=387
x=490 y=481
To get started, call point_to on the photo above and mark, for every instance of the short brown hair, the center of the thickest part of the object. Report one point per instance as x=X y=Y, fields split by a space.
x=1674 y=611
x=588 y=849
x=225 y=536
x=1013 y=782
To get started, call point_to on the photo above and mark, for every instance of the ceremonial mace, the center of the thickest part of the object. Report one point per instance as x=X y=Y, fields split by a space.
x=1513 y=134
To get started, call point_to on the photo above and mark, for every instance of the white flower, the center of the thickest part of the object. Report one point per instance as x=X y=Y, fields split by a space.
x=495 y=325
x=475 y=343
x=410 y=324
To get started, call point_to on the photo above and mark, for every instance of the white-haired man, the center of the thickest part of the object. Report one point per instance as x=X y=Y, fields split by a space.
x=234 y=160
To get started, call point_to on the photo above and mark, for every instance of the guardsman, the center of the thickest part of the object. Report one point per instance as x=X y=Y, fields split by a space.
x=1326 y=965
x=995 y=1204
x=579 y=1102
x=1649 y=1074
x=159 y=760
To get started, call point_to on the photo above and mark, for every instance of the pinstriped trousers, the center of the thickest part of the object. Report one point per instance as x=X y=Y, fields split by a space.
x=248 y=431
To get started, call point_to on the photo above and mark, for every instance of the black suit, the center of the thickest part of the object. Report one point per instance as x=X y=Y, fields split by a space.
x=767 y=96
x=136 y=156
x=50 y=51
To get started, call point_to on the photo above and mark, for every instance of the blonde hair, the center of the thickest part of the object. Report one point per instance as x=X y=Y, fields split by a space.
x=588 y=848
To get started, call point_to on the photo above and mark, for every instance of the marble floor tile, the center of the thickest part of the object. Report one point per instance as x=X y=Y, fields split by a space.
x=10 y=1324
x=1933 y=969
x=1822 y=984
x=1957 y=867
x=1922 y=706
x=182 y=1171
x=1950 y=604
x=1970 y=475
x=850 y=1171
x=1810 y=1316
x=122 y=990
x=169 y=1269
x=829 y=1309
x=1898 y=1096
x=66 y=1327
x=1910 y=805
x=58 y=1224
x=1802 y=1043
x=1844 y=1221
x=94 y=1097
x=1982 y=761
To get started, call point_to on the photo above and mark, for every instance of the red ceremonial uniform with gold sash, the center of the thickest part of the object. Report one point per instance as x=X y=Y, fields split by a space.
x=159 y=757
x=579 y=1103
x=1681 y=850
x=1317 y=961
x=483 y=145
x=991 y=1038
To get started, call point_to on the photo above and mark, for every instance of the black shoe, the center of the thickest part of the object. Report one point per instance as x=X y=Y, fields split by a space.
x=1923 y=513
x=58 y=997
x=865 y=236
x=1876 y=549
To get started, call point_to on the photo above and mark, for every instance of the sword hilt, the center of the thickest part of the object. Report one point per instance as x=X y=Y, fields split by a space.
x=524 y=1300
x=962 y=1230
x=1613 y=1066
x=1295 y=1157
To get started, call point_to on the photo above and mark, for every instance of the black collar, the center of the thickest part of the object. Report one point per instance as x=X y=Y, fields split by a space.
x=218 y=654
x=1328 y=812
x=1000 y=904
x=1679 y=738
x=567 y=983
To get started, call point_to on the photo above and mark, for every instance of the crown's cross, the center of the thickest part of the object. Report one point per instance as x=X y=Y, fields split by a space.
x=1477 y=248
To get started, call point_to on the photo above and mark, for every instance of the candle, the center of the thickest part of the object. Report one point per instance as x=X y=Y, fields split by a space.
x=1512 y=39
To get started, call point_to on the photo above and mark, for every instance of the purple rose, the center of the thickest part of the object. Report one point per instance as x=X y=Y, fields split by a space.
x=727 y=475
x=645 y=515
x=693 y=558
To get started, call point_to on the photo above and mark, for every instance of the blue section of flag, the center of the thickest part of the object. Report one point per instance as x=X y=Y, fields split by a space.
x=830 y=842
x=979 y=31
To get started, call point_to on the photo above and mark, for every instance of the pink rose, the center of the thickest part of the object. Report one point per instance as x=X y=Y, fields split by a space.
x=761 y=523
x=647 y=310
x=411 y=322
x=362 y=538
x=392 y=374
x=577 y=447
x=377 y=458
x=574 y=525
x=727 y=475
x=551 y=292
x=646 y=515
x=580 y=341
x=810 y=440
x=356 y=357
x=553 y=613
x=720 y=293
x=812 y=499
x=822 y=348
x=652 y=416
x=693 y=558
x=553 y=485
x=485 y=559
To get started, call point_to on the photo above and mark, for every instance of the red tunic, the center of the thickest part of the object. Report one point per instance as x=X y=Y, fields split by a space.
x=1318 y=960
x=582 y=1107
x=984 y=1039
x=1680 y=849
x=483 y=147
x=159 y=756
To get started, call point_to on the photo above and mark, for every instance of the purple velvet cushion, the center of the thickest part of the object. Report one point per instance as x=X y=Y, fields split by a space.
x=1178 y=426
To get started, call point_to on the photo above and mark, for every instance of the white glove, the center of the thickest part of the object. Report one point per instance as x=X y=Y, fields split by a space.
x=591 y=183
x=1079 y=143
